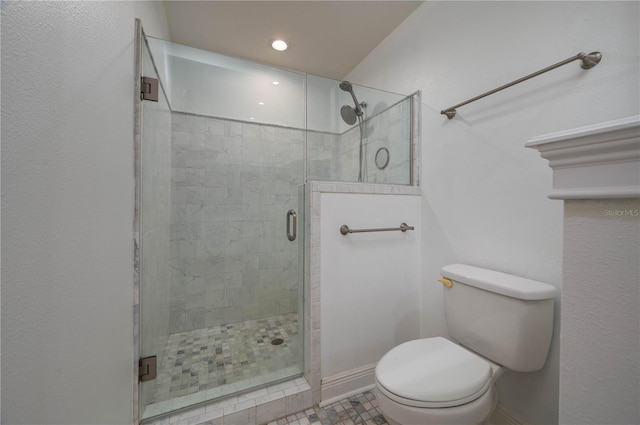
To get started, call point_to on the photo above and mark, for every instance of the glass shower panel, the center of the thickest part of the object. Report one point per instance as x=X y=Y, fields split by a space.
x=215 y=85
x=155 y=232
x=386 y=147
x=339 y=151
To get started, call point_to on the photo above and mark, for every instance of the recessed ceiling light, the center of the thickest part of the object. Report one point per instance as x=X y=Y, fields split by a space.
x=260 y=103
x=275 y=83
x=251 y=118
x=279 y=45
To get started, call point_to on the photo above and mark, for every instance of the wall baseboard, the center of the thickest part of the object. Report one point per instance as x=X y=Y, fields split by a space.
x=503 y=416
x=338 y=387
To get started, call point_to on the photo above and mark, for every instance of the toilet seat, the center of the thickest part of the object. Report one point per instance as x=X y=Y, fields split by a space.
x=432 y=373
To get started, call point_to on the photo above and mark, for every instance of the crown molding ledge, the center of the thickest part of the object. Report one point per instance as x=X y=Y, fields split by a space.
x=594 y=162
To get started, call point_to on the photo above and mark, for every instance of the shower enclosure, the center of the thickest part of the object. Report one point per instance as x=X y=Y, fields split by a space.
x=222 y=159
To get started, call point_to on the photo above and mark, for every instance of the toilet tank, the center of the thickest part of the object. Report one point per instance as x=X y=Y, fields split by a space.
x=505 y=318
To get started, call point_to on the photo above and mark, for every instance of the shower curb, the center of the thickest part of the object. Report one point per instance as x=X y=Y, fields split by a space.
x=254 y=408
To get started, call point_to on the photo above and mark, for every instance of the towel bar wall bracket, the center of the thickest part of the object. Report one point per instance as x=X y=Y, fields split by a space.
x=345 y=230
x=588 y=61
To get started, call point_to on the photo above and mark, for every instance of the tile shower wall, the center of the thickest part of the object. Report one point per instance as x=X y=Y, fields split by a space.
x=323 y=155
x=232 y=185
x=391 y=130
x=335 y=157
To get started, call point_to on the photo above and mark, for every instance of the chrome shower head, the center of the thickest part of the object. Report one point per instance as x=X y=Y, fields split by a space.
x=344 y=111
x=349 y=115
x=346 y=86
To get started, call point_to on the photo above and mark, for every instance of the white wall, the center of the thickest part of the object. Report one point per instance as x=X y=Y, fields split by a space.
x=67 y=209
x=369 y=281
x=600 y=370
x=485 y=196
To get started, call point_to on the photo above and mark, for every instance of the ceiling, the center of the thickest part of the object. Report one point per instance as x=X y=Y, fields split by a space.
x=326 y=38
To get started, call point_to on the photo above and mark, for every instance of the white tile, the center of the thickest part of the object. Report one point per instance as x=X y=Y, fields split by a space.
x=247 y=404
x=291 y=391
x=299 y=401
x=270 y=396
x=156 y=409
x=300 y=382
x=231 y=401
x=254 y=395
x=271 y=410
x=212 y=414
x=215 y=126
x=280 y=387
x=182 y=417
x=240 y=414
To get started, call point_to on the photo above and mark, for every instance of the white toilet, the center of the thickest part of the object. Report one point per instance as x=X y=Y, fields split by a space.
x=500 y=322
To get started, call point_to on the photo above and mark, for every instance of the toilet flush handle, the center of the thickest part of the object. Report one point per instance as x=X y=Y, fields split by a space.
x=446 y=282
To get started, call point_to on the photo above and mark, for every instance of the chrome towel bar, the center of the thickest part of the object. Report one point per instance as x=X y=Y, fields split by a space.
x=588 y=61
x=344 y=229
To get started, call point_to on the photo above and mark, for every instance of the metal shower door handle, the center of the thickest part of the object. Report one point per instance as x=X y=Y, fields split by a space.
x=292 y=235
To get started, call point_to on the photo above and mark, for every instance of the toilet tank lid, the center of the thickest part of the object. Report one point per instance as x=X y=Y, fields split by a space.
x=498 y=282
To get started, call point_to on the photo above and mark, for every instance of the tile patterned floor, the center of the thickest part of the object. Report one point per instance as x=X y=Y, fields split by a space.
x=358 y=409
x=198 y=360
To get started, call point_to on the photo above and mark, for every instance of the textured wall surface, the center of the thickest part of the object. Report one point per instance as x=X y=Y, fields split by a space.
x=67 y=209
x=600 y=338
x=485 y=195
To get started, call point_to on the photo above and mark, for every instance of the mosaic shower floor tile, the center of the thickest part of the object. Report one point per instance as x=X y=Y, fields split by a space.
x=203 y=359
x=359 y=409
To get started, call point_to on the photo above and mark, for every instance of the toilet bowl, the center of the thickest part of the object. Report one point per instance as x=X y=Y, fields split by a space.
x=499 y=322
x=475 y=412
x=435 y=381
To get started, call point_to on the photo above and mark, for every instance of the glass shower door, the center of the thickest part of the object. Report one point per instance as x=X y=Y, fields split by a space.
x=221 y=274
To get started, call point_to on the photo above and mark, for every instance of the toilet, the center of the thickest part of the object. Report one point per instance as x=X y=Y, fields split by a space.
x=497 y=322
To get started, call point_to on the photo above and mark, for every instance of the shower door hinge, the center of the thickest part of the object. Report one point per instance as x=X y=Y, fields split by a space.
x=147 y=368
x=149 y=89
